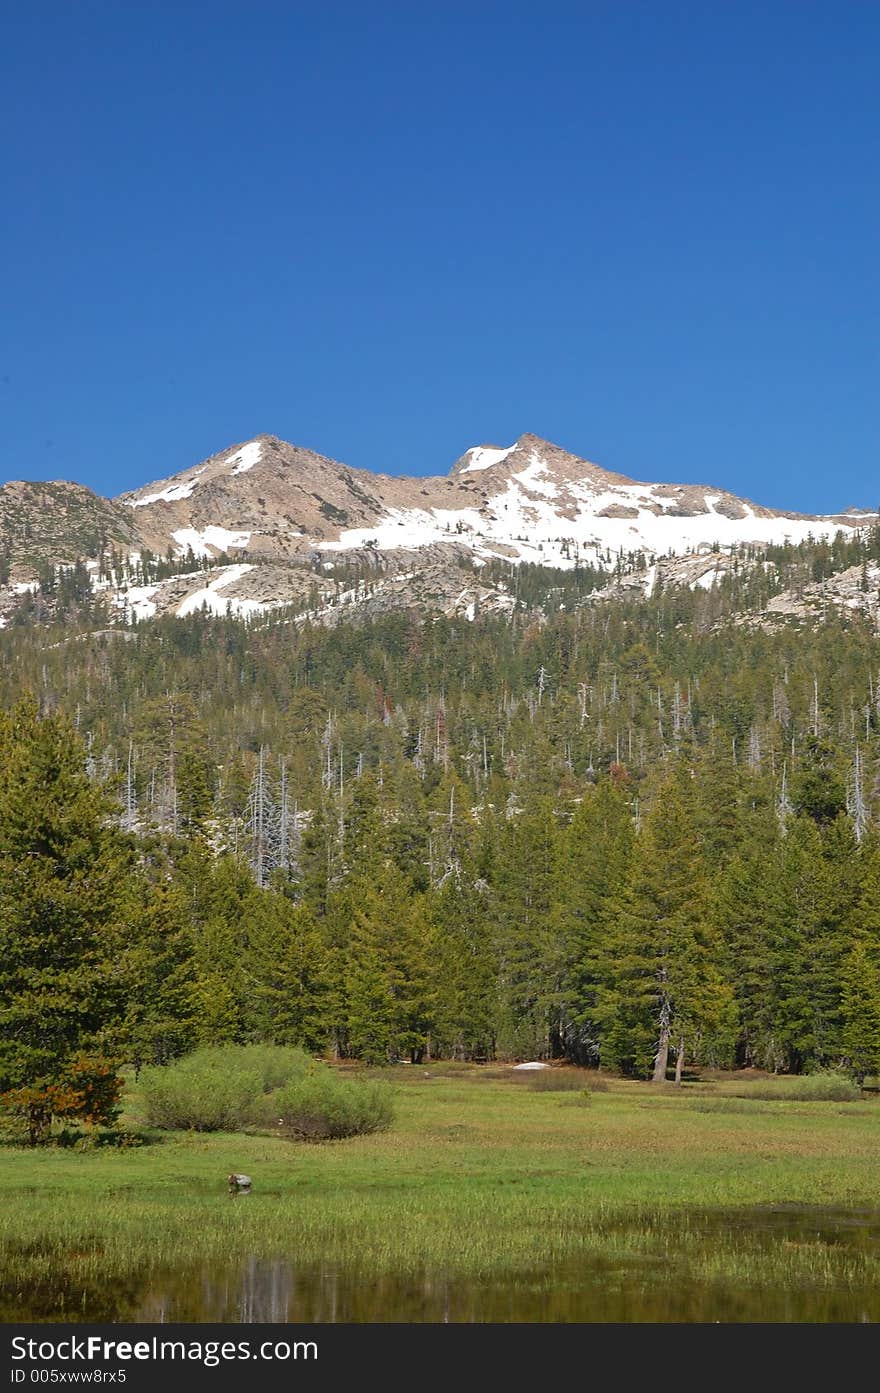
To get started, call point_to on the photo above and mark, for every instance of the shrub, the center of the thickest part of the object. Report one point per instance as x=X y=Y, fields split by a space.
x=821 y=1087
x=204 y=1092
x=88 y=1092
x=322 y=1107
x=226 y=1088
x=275 y=1064
x=559 y=1080
x=97 y=1083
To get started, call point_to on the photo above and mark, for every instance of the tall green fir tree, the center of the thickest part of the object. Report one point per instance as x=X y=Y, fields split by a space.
x=64 y=897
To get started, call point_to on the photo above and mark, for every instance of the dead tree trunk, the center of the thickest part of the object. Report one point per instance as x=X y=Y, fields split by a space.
x=661 y=1058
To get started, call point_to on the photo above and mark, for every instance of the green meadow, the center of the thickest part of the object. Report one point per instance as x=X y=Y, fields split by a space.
x=484 y=1176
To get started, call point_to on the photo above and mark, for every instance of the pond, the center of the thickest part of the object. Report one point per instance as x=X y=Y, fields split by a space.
x=768 y=1263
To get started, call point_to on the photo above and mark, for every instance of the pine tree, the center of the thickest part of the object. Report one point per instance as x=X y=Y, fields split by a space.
x=664 y=984
x=64 y=879
x=160 y=1022
x=465 y=983
x=750 y=910
x=289 y=968
x=860 y=1008
x=811 y=941
x=532 y=949
x=597 y=849
x=390 y=967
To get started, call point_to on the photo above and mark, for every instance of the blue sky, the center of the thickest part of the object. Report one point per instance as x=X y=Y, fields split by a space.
x=647 y=231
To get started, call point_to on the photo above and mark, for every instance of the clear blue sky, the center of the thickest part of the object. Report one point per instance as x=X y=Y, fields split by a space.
x=647 y=230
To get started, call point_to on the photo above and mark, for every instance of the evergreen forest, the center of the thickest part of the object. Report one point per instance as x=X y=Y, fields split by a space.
x=636 y=834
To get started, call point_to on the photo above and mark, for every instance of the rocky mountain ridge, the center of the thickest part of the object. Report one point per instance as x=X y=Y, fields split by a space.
x=266 y=524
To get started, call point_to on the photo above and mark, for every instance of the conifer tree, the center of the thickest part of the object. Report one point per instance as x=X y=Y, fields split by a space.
x=390 y=966
x=63 y=886
x=810 y=945
x=289 y=968
x=465 y=985
x=596 y=852
x=664 y=983
x=158 y=961
x=860 y=1009
x=532 y=948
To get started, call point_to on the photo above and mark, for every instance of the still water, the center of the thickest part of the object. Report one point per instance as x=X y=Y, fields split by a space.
x=830 y=1266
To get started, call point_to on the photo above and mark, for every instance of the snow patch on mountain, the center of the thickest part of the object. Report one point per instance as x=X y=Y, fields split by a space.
x=408 y=528
x=556 y=522
x=218 y=537
x=211 y=596
x=245 y=458
x=172 y=494
x=483 y=457
x=530 y=480
x=707 y=579
x=137 y=602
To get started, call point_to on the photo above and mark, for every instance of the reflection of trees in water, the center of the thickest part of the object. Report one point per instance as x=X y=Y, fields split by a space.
x=658 y=1281
x=648 y=1287
x=38 y=1283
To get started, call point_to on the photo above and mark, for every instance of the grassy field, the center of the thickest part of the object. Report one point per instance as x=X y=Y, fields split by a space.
x=481 y=1175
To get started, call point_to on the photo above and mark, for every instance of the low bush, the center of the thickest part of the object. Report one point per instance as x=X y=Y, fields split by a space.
x=826 y=1086
x=86 y=1092
x=275 y=1064
x=230 y=1087
x=207 y=1091
x=323 y=1107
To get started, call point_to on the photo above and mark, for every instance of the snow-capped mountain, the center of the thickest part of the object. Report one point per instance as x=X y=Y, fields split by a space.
x=280 y=520
x=531 y=501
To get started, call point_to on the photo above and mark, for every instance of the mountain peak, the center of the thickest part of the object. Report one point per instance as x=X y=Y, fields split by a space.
x=274 y=516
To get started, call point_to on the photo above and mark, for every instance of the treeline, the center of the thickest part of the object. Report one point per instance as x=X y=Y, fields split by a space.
x=179 y=710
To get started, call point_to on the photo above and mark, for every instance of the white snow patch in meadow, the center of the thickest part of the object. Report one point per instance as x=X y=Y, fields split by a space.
x=211 y=596
x=483 y=457
x=219 y=537
x=172 y=494
x=246 y=457
x=532 y=1064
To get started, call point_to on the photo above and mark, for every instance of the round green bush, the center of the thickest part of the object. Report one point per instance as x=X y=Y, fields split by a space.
x=275 y=1064
x=323 y=1107
x=218 y=1088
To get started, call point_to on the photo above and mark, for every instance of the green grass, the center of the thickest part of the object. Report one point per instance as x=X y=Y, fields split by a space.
x=478 y=1177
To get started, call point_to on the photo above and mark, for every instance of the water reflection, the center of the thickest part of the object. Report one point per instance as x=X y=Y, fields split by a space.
x=643 y=1287
x=656 y=1280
